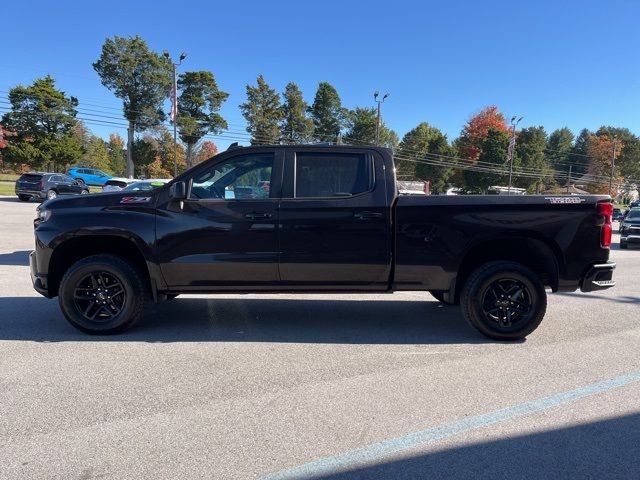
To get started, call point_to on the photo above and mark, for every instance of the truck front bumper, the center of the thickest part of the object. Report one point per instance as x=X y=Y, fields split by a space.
x=39 y=280
x=598 y=277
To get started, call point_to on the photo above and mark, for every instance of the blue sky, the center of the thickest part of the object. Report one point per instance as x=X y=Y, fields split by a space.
x=557 y=63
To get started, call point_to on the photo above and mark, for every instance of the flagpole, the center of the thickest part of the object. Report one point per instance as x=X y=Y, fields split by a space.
x=512 y=144
x=175 y=129
x=174 y=108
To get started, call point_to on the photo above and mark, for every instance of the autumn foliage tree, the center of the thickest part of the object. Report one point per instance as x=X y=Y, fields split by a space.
x=600 y=151
x=476 y=130
x=207 y=150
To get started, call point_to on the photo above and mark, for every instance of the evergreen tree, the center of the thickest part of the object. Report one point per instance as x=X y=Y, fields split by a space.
x=530 y=154
x=559 y=146
x=198 y=106
x=296 y=127
x=42 y=118
x=579 y=153
x=140 y=78
x=263 y=113
x=327 y=113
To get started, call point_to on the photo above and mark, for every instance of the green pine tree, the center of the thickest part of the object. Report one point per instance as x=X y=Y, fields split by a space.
x=42 y=118
x=296 y=126
x=327 y=113
x=263 y=113
x=198 y=106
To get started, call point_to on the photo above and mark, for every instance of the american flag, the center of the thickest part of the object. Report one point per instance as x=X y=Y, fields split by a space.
x=174 y=102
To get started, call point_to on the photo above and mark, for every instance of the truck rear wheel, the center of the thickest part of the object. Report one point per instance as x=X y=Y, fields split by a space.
x=504 y=300
x=102 y=294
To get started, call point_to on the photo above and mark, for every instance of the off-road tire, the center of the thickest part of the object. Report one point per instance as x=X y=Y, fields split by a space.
x=111 y=266
x=479 y=290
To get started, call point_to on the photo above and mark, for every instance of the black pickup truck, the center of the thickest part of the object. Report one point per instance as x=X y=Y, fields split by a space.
x=316 y=219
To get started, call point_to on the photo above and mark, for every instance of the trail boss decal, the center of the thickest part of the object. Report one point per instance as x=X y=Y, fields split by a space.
x=565 y=200
x=135 y=200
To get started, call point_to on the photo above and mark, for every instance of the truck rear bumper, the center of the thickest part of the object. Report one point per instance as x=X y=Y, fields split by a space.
x=39 y=280
x=598 y=277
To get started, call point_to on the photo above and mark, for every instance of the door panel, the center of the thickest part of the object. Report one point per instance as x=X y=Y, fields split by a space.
x=340 y=241
x=225 y=235
x=220 y=244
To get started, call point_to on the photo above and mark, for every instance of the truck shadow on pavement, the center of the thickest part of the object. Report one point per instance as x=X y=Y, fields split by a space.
x=20 y=257
x=220 y=319
x=594 y=296
x=602 y=449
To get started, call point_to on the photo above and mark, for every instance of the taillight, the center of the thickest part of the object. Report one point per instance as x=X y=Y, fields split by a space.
x=606 y=210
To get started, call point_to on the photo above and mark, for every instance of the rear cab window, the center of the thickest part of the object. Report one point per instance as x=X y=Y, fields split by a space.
x=330 y=175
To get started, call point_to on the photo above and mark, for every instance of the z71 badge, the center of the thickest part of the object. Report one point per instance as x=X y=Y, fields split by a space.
x=565 y=199
x=135 y=200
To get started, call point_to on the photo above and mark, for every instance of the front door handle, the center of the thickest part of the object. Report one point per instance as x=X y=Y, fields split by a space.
x=258 y=216
x=367 y=215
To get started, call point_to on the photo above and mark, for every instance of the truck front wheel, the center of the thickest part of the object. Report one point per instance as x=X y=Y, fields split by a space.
x=504 y=300
x=102 y=294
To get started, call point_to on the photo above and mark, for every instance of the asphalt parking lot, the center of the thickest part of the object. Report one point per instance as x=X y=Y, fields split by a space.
x=316 y=386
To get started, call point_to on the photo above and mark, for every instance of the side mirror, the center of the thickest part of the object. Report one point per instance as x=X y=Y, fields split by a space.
x=178 y=191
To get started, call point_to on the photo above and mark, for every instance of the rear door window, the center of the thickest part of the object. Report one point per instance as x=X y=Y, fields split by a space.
x=322 y=175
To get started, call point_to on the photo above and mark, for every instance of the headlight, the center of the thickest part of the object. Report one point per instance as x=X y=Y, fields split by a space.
x=43 y=214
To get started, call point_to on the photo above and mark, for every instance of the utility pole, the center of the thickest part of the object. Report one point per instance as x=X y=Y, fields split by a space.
x=379 y=102
x=613 y=165
x=174 y=107
x=569 y=179
x=512 y=145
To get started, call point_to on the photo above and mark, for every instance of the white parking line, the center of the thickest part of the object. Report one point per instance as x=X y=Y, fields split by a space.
x=376 y=451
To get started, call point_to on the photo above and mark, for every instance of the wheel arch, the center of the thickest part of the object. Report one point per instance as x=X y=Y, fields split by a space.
x=533 y=253
x=70 y=250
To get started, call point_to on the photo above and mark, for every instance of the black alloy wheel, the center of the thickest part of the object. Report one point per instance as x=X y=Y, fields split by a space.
x=100 y=296
x=507 y=302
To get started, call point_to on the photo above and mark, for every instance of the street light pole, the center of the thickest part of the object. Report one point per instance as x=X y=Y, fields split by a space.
x=174 y=107
x=510 y=149
x=379 y=102
x=613 y=165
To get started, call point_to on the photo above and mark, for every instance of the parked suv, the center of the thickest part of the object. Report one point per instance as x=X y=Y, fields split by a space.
x=47 y=185
x=89 y=176
x=630 y=228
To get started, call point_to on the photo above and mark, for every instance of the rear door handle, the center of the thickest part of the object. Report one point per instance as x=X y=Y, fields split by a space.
x=367 y=215
x=258 y=216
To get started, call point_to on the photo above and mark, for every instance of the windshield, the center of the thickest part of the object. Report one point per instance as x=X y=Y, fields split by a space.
x=634 y=214
x=143 y=186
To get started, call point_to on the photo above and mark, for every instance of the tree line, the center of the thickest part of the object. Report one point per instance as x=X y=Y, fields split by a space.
x=42 y=128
